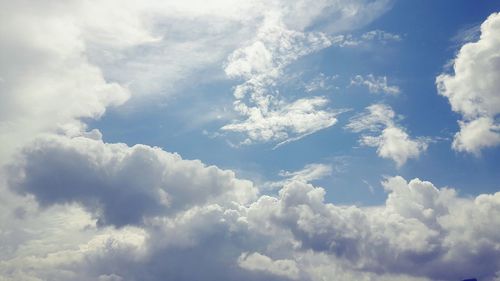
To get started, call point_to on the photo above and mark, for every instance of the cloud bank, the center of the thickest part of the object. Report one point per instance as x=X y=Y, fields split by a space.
x=145 y=214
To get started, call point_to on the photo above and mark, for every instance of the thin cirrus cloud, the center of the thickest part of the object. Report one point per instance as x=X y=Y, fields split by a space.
x=372 y=36
x=375 y=84
x=472 y=90
x=307 y=174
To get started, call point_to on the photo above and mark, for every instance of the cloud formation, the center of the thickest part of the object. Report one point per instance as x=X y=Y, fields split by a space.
x=119 y=184
x=473 y=89
x=231 y=232
x=73 y=207
x=391 y=140
x=269 y=116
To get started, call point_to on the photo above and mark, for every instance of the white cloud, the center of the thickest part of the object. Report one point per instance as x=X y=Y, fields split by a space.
x=414 y=225
x=291 y=122
x=76 y=208
x=268 y=116
x=390 y=139
x=216 y=220
x=65 y=61
x=62 y=62
x=380 y=35
x=309 y=173
x=369 y=37
x=376 y=85
x=47 y=82
x=321 y=82
x=256 y=261
x=107 y=177
x=472 y=89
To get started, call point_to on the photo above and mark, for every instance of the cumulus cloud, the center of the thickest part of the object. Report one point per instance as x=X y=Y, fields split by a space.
x=391 y=140
x=413 y=227
x=119 y=184
x=46 y=81
x=376 y=85
x=230 y=232
x=472 y=89
x=256 y=261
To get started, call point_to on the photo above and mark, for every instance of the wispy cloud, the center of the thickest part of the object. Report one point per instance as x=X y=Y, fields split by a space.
x=375 y=84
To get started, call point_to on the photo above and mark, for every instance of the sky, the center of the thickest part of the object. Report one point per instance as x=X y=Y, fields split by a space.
x=250 y=140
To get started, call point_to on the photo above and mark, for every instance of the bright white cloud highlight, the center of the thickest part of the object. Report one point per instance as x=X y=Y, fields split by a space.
x=391 y=140
x=256 y=261
x=473 y=89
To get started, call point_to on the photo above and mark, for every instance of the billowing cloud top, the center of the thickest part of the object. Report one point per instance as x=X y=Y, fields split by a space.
x=473 y=89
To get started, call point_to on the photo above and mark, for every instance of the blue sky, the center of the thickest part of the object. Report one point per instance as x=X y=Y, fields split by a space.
x=249 y=140
x=428 y=42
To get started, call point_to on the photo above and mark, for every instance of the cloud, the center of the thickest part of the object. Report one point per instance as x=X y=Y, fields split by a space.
x=73 y=207
x=289 y=123
x=47 y=82
x=369 y=37
x=321 y=82
x=415 y=226
x=380 y=35
x=267 y=115
x=64 y=62
x=256 y=261
x=472 y=89
x=309 y=173
x=120 y=185
x=390 y=139
x=190 y=213
x=376 y=85
x=73 y=60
